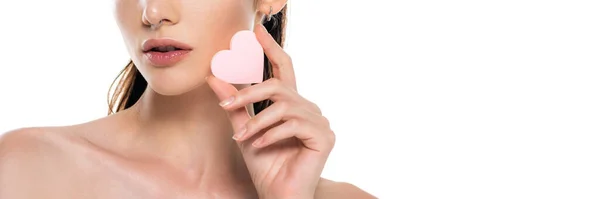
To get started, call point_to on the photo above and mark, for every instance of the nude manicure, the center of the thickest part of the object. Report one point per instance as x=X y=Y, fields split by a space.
x=240 y=134
x=227 y=101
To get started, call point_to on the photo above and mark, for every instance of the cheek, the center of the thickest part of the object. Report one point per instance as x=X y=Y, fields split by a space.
x=212 y=24
x=128 y=16
x=217 y=20
x=127 y=10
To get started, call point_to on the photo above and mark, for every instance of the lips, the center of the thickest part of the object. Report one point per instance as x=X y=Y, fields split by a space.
x=165 y=52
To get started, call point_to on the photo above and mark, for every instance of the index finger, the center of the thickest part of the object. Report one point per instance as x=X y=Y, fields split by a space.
x=280 y=60
x=225 y=91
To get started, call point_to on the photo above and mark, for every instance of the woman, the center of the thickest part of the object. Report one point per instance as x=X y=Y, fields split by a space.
x=171 y=133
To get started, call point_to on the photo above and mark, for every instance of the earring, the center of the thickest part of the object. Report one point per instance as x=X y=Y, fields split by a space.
x=270 y=15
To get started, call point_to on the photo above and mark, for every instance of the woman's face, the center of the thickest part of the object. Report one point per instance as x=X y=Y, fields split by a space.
x=202 y=27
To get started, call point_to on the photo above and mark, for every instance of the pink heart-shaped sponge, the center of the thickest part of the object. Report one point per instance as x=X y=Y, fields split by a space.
x=243 y=64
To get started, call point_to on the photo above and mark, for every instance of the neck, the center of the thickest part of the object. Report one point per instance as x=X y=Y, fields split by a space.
x=190 y=132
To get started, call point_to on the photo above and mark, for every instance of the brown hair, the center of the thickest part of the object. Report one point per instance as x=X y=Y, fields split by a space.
x=130 y=84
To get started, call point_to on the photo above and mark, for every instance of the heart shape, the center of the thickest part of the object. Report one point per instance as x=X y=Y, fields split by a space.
x=243 y=64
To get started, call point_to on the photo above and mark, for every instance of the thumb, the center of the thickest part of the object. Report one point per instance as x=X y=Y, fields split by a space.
x=225 y=91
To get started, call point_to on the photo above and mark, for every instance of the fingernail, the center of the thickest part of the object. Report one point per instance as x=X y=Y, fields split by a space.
x=240 y=134
x=257 y=142
x=227 y=101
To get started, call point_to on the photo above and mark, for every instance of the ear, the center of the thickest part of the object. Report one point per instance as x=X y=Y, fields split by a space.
x=265 y=6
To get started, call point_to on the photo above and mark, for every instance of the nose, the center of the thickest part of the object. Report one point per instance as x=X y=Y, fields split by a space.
x=161 y=11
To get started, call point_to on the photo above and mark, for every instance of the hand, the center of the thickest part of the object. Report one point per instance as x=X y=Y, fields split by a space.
x=285 y=146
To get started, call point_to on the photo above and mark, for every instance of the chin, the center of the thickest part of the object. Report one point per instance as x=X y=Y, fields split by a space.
x=175 y=82
x=174 y=88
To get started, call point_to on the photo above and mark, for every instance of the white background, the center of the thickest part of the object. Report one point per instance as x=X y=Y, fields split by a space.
x=429 y=99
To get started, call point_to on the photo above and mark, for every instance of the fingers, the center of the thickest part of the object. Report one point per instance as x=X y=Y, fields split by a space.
x=311 y=136
x=286 y=130
x=222 y=89
x=279 y=111
x=281 y=61
x=238 y=116
x=284 y=120
x=272 y=89
x=290 y=115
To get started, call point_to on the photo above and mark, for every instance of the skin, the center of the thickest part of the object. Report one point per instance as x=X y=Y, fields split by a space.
x=176 y=142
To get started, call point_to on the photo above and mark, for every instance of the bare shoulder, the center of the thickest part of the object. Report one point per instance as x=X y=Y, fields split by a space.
x=30 y=141
x=34 y=147
x=24 y=143
x=37 y=158
x=26 y=156
x=332 y=190
x=30 y=148
x=44 y=143
x=54 y=161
